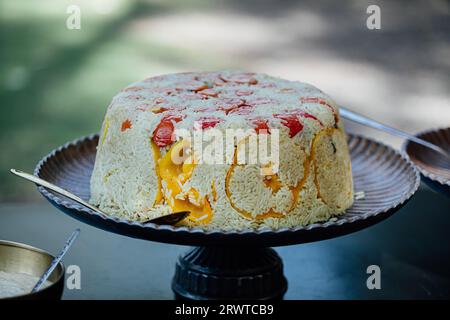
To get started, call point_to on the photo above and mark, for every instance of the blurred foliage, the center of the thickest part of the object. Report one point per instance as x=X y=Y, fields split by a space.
x=56 y=83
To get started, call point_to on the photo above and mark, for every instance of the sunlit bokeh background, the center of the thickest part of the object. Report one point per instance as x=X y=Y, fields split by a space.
x=55 y=83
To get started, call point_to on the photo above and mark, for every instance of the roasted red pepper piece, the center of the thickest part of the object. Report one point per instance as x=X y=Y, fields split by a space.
x=209 y=122
x=304 y=114
x=163 y=133
x=261 y=126
x=241 y=78
x=125 y=125
x=241 y=110
x=258 y=101
x=291 y=122
x=133 y=89
x=322 y=102
x=209 y=93
x=241 y=93
x=229 y=104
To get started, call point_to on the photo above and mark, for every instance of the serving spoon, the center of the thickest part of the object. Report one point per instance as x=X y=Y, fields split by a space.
x=358 y=118
x=56 y=260
x=170 y=219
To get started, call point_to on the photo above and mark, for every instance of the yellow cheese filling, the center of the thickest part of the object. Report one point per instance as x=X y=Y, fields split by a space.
x=174 y=174
x=105 y=130
x=156 y=156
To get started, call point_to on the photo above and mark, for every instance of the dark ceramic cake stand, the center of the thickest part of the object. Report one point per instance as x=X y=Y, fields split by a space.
x=239 y=264
x=434 y=168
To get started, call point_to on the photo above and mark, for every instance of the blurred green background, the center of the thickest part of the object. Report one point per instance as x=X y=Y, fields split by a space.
x=56 y=83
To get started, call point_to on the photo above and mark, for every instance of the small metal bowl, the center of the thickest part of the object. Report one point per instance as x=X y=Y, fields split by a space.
x=21 y=258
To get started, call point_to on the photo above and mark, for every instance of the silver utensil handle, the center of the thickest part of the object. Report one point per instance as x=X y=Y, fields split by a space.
x=57 y=189
x=57 y=259
x=166 y=219
x=355 y=117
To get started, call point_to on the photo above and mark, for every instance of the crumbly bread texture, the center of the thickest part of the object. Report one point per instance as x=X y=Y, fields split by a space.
x=134 y=178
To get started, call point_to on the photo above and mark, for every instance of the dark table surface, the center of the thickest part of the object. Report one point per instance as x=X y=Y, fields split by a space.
x=412 y=249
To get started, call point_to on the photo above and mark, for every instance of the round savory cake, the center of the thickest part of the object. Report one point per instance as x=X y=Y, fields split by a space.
x=237 y=150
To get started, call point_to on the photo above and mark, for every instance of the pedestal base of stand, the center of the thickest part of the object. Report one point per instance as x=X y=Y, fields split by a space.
x=209 y=273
